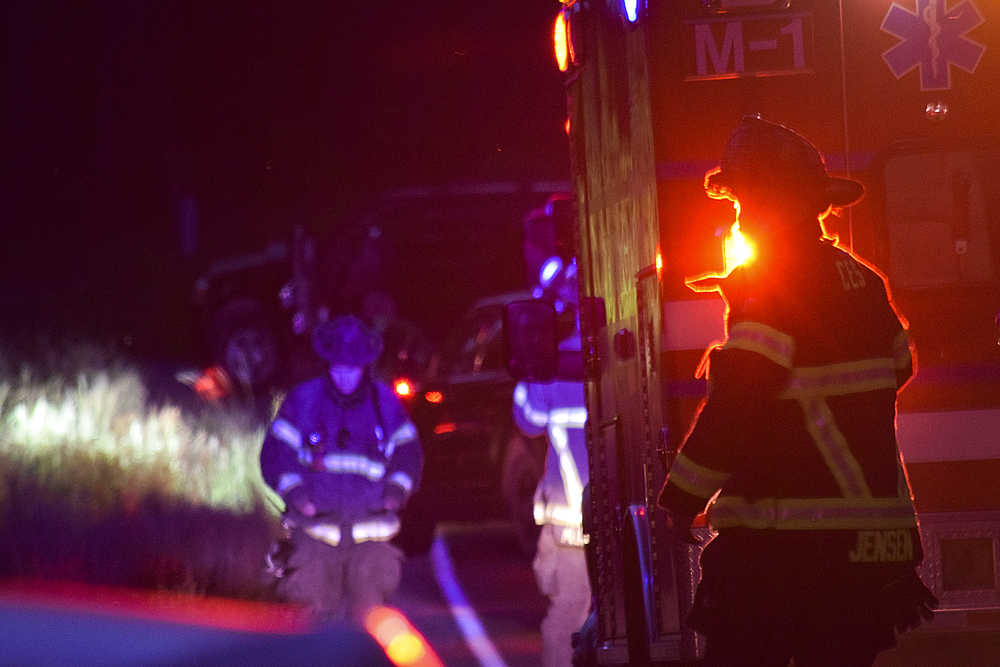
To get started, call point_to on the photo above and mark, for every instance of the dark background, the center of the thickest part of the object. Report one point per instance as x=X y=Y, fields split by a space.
x=125 y=119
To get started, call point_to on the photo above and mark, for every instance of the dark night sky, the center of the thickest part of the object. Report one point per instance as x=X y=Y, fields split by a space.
x=260 y=111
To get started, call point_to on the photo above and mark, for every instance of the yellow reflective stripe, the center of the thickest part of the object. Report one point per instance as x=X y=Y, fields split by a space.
x=694 y=478
x=375 y=530
x=833 y=447
x=851 y=377
x=536 y=417
x=556 y=514
x=353 y=464
x=569 y=417
x=288 y=481
x=777 y=346
x=901 y=350
x=812 y=513
x=402 y=480
x=407 y=432
x=325 y=532
x=287 y=433
x=572 y=484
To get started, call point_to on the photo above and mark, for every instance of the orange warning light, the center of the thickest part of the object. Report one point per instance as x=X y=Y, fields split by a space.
x=560 y=40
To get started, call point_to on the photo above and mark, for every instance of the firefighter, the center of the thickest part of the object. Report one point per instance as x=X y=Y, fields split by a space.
x=817 y=539
x=557 y=409
x=345 y=457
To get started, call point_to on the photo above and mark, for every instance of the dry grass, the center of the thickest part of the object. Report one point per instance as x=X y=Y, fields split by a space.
x=100 y=485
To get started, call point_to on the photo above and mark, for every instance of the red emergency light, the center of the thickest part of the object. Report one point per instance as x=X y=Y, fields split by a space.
x=561 y=40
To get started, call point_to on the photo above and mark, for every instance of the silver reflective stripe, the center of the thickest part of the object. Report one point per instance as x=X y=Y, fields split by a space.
x=696 y=479
x=288 y=481
x=832 y=445
x=287 y=433
x=840 y=379
x=402 y=435
x=777 y=346
x=325 y=532
x=536 y=417
x=569 y=417
x=375 y=530
x=572 y=484
x=354 y=464
x=402 y=480
x=812 y=513
x=556 y=514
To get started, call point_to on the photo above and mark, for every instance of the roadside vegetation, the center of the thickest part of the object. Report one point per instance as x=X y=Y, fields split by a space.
x=103 y=485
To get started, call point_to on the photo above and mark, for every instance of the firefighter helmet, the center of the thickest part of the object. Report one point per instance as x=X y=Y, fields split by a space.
x=763 y=151
x=346 y=340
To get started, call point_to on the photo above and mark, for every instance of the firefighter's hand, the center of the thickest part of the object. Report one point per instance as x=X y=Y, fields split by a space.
x=298 y=499
x=680 y=528
x=392 y=499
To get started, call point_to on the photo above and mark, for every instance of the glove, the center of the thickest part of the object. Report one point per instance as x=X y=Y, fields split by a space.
x=679 y=526
x=298 y=500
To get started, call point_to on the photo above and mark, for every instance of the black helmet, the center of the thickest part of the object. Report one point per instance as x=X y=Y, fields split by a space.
x=758 y=149
x=346 y=340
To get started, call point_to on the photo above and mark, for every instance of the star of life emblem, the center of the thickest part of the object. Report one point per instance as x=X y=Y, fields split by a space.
x=933 y=39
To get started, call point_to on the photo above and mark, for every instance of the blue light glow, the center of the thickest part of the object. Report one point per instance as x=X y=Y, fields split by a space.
x=631 y=9
x=549 y=270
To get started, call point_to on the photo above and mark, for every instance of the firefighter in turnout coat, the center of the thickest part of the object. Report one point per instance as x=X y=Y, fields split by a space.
x=345 y=457
x=557 y=409
x=817 y=538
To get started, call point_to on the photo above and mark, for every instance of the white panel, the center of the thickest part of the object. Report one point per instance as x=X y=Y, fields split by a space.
x=693 y=325
x=960 y=435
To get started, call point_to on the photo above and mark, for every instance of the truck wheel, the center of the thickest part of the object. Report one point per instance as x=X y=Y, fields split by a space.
x=521 y=472
x=245 y=344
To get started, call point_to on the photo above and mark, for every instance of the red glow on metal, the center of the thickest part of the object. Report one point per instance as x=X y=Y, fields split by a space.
x=567 y=125
x=434 y=397
x=659 y=263
x=560 y=41
x=447 y=427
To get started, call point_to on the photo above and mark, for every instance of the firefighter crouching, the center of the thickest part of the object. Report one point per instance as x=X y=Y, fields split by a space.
x=557 y=409
x=817 y=537
x=345 y=457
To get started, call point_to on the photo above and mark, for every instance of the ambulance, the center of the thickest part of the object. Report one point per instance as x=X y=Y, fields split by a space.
x=899 y=95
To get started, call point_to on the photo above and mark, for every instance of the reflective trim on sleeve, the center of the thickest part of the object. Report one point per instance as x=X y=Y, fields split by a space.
x=569 y=417
x=288 y=481
x=568 y=471
x=287 y=433
x=556 y=514
x=375 y=530
x=833 y=446
x=852 y=377
x=402 y=480
x=694 y=478
x=324 y=532
x=764 y=340
x=812 y=513
x=536 y=417
x=407 y=432
x=354 y=464
x=901 y=355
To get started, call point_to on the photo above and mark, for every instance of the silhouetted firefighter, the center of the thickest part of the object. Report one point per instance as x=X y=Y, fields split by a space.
x=817 y=537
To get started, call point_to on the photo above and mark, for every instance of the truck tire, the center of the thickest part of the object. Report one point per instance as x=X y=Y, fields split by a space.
x=245 y=344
